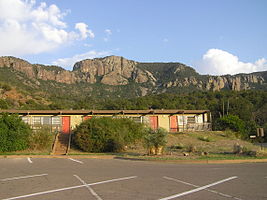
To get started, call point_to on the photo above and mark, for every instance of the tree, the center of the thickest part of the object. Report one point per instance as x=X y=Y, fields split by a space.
x=14 y=133
x=155 y=140
x=232 y=122
x=107 y=134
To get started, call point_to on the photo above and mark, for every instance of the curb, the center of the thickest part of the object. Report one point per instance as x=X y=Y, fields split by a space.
x=140 y=159
x=58 y=156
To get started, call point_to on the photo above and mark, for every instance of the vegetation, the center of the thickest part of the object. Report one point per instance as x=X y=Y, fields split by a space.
x=155 y=140
x=41 y=139
x=106 y=134
x=14 y=133
x=232 y=122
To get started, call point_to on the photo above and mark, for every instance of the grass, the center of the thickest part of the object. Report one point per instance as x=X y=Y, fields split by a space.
x=217 y=145
x=25 y=152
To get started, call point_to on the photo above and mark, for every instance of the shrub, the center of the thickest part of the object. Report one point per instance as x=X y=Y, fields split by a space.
x=177 y=147
x=41 y=139
x=205 y=139
x=106 y=134
x=231 y=122
x=5 y=87
x=14 y=133
x=3 y=104
x=192 y=148
x=155 y=140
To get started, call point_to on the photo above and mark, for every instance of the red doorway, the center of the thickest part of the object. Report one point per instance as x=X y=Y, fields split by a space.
x=173 y=124
x=154 y=122
x=65 y=125
x=87 y=117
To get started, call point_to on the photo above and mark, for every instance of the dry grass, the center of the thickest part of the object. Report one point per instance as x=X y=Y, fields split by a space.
x=211 y=142
x=195 y=144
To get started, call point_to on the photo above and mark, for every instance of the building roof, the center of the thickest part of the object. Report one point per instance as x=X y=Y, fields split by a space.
x=98 y=112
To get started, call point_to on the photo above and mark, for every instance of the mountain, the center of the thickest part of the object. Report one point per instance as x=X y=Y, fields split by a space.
x=115 y=76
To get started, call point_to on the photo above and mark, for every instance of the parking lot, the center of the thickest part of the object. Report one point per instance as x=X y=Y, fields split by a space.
x=68 y=178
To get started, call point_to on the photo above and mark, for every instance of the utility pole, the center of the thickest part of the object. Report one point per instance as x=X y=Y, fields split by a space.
x=223 y=108
x=228 y=107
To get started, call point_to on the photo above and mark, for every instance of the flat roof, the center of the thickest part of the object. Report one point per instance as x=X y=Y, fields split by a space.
x=113 y=112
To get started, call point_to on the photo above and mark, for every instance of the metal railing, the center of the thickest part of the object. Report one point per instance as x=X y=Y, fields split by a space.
x=55 y=143
x=195 y=127
x=68 y=148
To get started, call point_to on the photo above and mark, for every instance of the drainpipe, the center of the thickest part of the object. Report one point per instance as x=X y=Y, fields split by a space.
x=183 y=120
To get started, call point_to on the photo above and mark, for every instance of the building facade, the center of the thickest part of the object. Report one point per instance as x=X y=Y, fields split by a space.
x=65 y=121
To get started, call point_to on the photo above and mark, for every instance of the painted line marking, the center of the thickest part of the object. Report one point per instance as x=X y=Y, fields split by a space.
x=76 y=160
x=29 y=159
x=88 y=187
x=23 y=177
x=69 y=188
x=197 y=186
x=198 y=189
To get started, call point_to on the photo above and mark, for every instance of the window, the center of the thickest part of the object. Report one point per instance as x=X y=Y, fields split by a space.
x=36 y=120
x=26 y=119
x=182 y=120
x=191 y=120
x=46 y=120
x=56 y=120
x=136 y=119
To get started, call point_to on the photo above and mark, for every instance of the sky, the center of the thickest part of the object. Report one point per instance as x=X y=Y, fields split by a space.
x=214 y=37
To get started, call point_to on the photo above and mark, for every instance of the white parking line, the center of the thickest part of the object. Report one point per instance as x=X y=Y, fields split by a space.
x=88 y=187
x=198 y=189
x=22 y=177
x=69 y=188
x=29 y=159
x=213 y=191
x=76 y=160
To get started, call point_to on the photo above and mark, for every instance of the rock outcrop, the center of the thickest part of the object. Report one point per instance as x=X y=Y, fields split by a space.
x=217 y=83
x=118 y=71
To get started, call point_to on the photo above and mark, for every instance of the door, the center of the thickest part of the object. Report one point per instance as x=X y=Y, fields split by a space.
x=65 y=125
x=173 y=124
x=154 y=122
x=87 y=117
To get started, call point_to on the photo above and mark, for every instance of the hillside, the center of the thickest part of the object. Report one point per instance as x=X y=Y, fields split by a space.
x=115 y=76
x=106 y=83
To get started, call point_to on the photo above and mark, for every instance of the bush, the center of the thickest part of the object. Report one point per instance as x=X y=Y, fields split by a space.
x=231 y=122
x=14 y=133
x=41 y=139
x=205 y=139
x=106 y=134
x=5 y=87
x=155 y=140
x=192 y=148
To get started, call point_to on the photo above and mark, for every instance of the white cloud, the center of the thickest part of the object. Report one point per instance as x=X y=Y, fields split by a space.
x=87 y=45
x=69 y=62
x=219 y=62
x=108 y=33
x=165 y=40
x=28 y=28
x=85 y=32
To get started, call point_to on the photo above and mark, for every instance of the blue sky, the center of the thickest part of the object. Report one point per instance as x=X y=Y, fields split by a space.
x=213 y=36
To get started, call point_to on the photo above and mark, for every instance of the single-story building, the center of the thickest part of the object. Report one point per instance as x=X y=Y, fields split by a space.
x=66 y=120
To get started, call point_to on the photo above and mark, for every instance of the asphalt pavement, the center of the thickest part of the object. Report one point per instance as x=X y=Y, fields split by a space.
x=72 y=178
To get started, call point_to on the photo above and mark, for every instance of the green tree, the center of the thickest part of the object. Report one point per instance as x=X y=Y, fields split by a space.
x=155 y=140
x=107 y=134
x=232 y=122
x=14 y=133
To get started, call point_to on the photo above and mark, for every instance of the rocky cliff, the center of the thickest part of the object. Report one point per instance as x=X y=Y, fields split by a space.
x=144 y=77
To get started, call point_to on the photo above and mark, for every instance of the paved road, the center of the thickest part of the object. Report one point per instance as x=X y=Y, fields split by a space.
x=58 y=178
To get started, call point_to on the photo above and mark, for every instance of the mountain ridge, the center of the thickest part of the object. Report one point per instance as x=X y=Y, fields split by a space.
x=115 y=73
